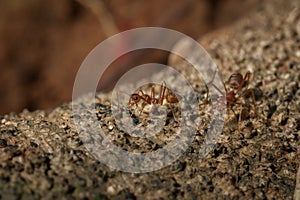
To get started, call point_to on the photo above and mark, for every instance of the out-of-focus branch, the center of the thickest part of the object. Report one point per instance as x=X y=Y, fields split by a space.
x=105 y=18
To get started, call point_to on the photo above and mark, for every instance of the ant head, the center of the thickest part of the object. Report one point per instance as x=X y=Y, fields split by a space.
x=134 y=98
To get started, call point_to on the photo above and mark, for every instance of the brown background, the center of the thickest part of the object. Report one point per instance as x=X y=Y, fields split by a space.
x=42 y=43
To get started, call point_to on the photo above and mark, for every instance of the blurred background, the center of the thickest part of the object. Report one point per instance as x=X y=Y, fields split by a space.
x=43 y=43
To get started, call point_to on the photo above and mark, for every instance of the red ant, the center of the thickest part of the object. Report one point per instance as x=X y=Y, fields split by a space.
x=165 y=94
x=236 y=83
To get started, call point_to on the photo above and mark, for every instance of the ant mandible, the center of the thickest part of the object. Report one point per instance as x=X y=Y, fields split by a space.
x=165 y=94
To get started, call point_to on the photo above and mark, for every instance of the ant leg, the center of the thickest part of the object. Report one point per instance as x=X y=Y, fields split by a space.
x=233 y=111
x=136 y=106
x=210 y=83
x=254 y=103
x=245 y=83
x=152 y=92
x=173 y=112
x=162 y=92
x=253 y=98
x=207 y=89
x=141 y=91
x=130 y=106
x=213 y=78
x=143 y=106
x=240 y=119
x=247 y=77
x=246 y=80
x=252 y=95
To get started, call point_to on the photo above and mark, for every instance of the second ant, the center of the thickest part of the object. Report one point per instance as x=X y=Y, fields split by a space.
x=165 y=94
x=238 y=87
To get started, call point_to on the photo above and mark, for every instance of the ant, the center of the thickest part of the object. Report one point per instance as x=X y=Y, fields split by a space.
x=164 y=94
x=238 y=88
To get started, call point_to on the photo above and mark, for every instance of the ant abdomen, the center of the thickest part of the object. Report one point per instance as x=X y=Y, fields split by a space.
x=235 y=80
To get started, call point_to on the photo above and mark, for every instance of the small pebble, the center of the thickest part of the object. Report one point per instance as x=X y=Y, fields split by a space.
x=3 y=143
x=247 y=133
x=140 y=188
x=33 y=144
x=110 y=127
x=111 y=190
x=178 y=166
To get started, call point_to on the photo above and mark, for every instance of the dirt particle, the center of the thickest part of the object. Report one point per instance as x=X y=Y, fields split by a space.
x=297 y=124
x=111 y=190
x=33 y=144
x=3 y=143
x=271 y=108
x=8 y=132
x=178 y=166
